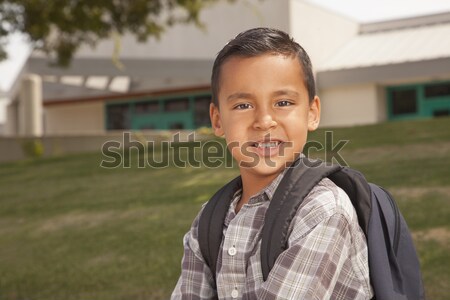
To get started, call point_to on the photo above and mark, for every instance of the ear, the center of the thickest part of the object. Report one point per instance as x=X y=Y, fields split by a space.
x=216 y=123
x=314 y=114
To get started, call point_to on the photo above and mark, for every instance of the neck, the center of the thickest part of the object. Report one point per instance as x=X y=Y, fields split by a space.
x=252 y=184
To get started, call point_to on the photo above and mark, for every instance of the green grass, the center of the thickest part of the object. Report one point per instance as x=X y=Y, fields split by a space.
x=70 y=229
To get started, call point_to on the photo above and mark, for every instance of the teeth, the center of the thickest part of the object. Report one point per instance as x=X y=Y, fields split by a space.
x=267 y=145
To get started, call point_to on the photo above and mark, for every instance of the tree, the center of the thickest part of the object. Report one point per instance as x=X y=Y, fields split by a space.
x=59 y=27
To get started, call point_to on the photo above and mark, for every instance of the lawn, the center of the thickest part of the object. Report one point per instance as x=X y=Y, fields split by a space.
x=70 y=229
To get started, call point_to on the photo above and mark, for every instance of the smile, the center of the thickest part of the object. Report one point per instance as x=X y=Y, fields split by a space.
x=271 y=144
x=268 y=148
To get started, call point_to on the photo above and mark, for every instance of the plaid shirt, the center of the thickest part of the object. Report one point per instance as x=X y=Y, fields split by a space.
x=326 y=256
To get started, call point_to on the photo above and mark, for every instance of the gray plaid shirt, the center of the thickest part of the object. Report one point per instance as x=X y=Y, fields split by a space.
x=326 y=256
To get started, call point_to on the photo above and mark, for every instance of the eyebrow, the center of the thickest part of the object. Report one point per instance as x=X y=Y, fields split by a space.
x=242 y=95
x=286 y=92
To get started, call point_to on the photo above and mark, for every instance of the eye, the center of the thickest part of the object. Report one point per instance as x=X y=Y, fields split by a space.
x=243 y=106
x=282 y=103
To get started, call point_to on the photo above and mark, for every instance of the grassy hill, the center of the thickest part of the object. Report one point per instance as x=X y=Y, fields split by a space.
x=70 y=229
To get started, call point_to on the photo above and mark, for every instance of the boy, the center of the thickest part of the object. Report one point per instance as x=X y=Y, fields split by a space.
x=264 y=103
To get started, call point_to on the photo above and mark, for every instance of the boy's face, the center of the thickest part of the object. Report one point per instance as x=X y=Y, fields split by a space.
x=264 y=111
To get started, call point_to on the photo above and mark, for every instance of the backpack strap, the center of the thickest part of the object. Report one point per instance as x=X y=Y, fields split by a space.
x=296 y=184
x=358 y=190
x=210 y=227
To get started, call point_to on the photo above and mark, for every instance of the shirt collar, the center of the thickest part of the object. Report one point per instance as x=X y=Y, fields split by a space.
x=266 y=194
x=270 y=189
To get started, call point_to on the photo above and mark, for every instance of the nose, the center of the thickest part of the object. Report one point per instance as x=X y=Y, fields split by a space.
x=264 y=120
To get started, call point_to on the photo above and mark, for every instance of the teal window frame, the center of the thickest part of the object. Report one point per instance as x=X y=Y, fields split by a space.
x=426 y=107
x=160 y=120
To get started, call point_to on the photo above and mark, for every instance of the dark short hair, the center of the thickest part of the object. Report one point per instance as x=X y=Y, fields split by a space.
x=259 y=41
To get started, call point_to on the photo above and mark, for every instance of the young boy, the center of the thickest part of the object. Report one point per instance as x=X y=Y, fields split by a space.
x=264 y=103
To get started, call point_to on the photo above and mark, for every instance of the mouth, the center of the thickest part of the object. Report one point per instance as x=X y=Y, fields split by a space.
x=267 y=144
x=267 y=148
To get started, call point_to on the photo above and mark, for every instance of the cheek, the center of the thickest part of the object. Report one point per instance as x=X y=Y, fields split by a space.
x=234 y=136
x=297 y=131
x=235 y=127
x=298 y=142
x=296 y=122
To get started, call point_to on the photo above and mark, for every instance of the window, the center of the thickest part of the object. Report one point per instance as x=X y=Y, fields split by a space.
x=404 y=102
x=176 y=126
x=118 y=116
x=180 y=104
x=147 y=126
x=437 y=90
x=201 y=111
x=146 y=107
x=441 y=113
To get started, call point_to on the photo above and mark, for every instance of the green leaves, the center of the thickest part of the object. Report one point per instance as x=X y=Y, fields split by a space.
x=60 y=27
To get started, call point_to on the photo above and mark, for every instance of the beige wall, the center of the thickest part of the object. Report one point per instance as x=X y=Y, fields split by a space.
x=352 y=105
x=30 y=106
x=4 y=101
x=12 y=119
x=319 y=30
x=222 y=21
x=75 y=118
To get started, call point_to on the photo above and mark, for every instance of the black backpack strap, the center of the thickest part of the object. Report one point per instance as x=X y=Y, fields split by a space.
x=358 y=190
x=210 y=227
x=304 y=174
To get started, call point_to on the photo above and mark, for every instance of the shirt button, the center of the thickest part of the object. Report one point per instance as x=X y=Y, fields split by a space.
x=232 y=251
x=234 y=294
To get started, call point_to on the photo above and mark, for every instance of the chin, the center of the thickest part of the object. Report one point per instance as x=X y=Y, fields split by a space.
x=265 y=167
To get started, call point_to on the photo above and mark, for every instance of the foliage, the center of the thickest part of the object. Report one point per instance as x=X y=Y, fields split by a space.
x=59 y=27
x=32 y=148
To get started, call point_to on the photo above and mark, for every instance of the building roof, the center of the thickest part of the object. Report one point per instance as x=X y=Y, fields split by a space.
x=107 y=97
x=55 y=91
x=378 y=10
x=144 y=74
x=394 y=42
x=134 y=67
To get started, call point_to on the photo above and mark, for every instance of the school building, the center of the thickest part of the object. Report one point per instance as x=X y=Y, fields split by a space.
x=366 y=73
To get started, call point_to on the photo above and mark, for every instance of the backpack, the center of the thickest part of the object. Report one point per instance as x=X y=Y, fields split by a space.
x=393 y=262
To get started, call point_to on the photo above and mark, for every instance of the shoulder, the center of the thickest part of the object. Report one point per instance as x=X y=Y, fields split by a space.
x=326 y=196
x=326 y=200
